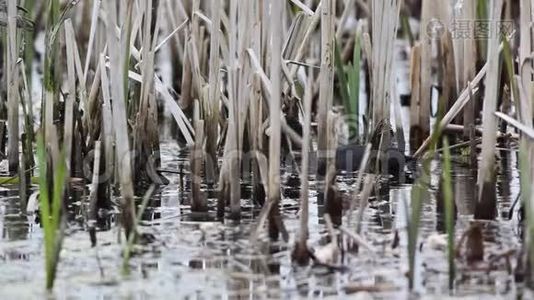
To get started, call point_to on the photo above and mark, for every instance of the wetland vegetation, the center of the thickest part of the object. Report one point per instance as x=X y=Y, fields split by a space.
x=266 y=149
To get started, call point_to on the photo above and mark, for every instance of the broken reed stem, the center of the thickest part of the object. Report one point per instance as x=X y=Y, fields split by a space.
x=326 y=79
x=385 y=15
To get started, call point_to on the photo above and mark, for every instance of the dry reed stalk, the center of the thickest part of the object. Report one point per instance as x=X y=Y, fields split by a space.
x=232 y=143
x=416 y=135
x=302 y=6
x=326 y=78
x=12 y=88
x=301 y=41
x=92 y=35
x=146 y=135
x=27 y=162
x=177 y=48
x=525 y=47
x=198 y=199
x=107 y=120
x=448 y=82
x=186 y=98
x=178 y=114
x=301 y=253
x=273 y=192
x=425 y=71
x=93 y=196
x=267 y=90
x=486 y=204
x=257 y=140
x=384 y=17
x=466 y=67
x=244 y=76
x=71 y=97
x=116 y=50
x=399 y=124
x=212 y=117
x=256 y=112
x=195 y=24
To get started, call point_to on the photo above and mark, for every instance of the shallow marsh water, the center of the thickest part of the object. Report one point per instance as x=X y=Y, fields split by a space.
x=211 y=260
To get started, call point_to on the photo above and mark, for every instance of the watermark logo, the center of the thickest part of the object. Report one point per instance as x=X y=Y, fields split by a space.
x=464 y=29
x=435 y=29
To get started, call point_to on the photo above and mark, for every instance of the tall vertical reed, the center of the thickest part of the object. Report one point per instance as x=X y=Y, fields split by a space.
x=486 y=204
x=118 y=50
x=273 y=191
x=12 y=87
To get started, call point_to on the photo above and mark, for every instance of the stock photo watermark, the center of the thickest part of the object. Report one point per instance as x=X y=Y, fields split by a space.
x=463 y=29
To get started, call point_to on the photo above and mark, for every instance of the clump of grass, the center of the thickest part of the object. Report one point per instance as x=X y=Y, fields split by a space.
x=349 y=85
x=50 y=208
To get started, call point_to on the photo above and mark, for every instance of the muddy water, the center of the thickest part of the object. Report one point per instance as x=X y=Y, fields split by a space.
x=211 y=260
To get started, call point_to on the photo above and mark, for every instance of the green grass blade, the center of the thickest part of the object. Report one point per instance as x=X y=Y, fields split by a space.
x=44 y=200
x=354 y=87
x=406 y=30
x=419 y=192
x=342 y=79
x=449 y=210
x=57 y=196
x=43 y=185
